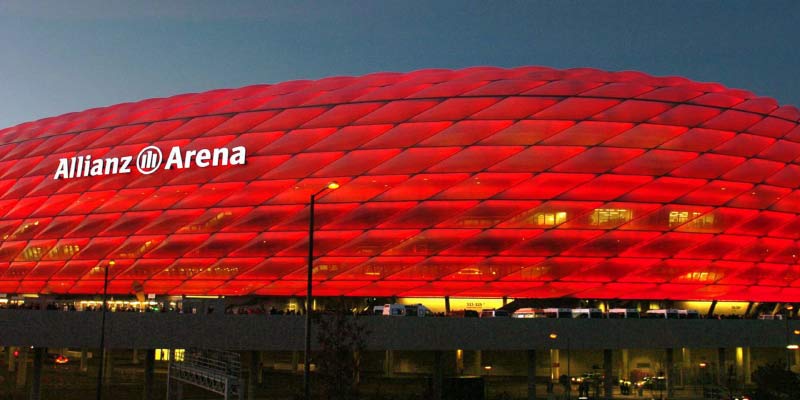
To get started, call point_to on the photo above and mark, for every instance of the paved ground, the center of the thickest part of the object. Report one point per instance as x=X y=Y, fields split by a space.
x=67 y=382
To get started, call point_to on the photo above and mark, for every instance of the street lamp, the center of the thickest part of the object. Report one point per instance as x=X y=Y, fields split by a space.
x=703 y=366
x=554 y=336
x=789 y=347
x=309 y=296
x=99 y=391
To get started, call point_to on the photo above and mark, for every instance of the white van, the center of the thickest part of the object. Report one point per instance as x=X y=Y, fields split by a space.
x=558 y=313
x=528 y=313
x=587 y=313
x=688 y=314
x=377 y=310
x=622 y=313
x=399 y=310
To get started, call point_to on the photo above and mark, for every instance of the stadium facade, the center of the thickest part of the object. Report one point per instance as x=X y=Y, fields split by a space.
x=484 y=182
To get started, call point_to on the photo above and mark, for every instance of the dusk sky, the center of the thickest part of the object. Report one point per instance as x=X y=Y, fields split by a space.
x=63 y=56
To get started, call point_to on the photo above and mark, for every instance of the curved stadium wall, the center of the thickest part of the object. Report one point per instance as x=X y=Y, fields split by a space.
x=481 y=182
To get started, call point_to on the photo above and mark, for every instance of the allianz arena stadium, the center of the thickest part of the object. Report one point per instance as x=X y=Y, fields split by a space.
x=528 y=182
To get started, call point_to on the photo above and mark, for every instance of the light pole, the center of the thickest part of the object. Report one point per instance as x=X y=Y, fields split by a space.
x=554 y=336
x=569 y=371
x=309 y=295
x=99 y=391
x=703 y=366
x=786 y=312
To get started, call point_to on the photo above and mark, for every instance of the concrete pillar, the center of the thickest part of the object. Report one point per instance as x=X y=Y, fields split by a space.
x=447 y=305
x=555 y=365
x=531 y=374
x=477 y=363
x=438 y=375
x=254 y=372
x=746 y=371
x=686 y=364
x=739 y=363
x=261 y=356
x=22 y=366
x=149 y=367
x=505 y=300
x=459 y=362
x=668 y=370
x=608 y=383
x=10 y=360
x=295 y=361
x=109 y=367
x=796 y=354
x=36 y=379
x=388 y=363
x=84 y=360
x=624 y=372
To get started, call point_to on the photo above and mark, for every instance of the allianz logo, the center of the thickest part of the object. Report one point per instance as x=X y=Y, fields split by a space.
x=148 y=161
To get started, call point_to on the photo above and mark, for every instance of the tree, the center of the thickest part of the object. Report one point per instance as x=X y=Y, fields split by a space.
x=774 y=382
x=342 y=339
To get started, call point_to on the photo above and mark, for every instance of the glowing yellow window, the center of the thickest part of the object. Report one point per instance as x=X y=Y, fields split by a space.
x=551 y=218
x=694 y=218
x=611 y=216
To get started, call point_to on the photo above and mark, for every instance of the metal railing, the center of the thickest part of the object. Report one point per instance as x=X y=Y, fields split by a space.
x=217 y=371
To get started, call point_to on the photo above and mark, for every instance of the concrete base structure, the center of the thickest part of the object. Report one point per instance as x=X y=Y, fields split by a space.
x=36 y=379
x=509 y=355
x=22 y=367
x=531 y=374
x=519 y=375
x=149 y=371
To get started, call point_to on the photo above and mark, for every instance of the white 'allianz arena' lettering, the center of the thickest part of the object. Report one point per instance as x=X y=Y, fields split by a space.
x=84 y=166
x=204 y=157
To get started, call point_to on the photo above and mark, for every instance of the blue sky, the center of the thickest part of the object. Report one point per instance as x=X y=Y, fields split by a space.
x=63 y=56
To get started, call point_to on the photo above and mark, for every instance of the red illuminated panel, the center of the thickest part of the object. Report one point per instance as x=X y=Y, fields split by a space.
x=526 y=132
x=587 y=133
x=597 y=160
x=667 y=244
x=378 y=268
x=524 y=182
x=465 y=133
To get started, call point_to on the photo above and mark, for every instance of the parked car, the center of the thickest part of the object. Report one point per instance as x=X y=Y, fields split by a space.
x=528 y=313
x=622 y=313
x=492 y=313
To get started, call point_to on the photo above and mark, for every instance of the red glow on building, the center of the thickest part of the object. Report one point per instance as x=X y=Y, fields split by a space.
x=481 y=182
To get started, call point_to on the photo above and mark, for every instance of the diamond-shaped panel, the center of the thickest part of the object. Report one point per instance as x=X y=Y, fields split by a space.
x=524 y=182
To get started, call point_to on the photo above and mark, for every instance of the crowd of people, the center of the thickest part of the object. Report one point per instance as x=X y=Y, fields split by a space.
x=71 y=306
x=249 y=309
